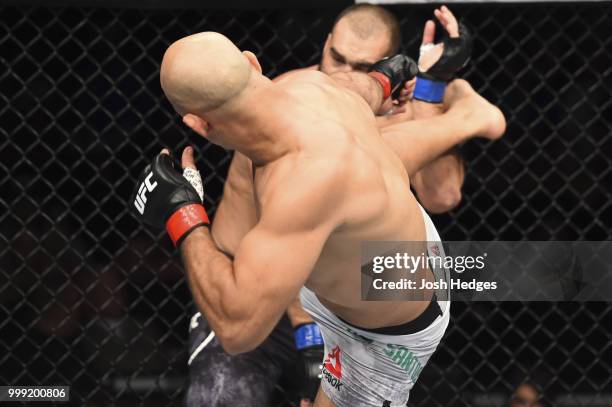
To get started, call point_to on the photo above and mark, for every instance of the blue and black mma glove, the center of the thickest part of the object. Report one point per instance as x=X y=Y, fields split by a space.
x=167 y=198
x=309 y=343
x=430 y=85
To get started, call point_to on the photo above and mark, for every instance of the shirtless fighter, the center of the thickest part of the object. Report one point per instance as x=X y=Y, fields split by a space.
x=361 y=35
x=312 y=213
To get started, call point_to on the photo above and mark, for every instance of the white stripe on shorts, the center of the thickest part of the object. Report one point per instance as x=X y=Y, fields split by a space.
x=200 y=347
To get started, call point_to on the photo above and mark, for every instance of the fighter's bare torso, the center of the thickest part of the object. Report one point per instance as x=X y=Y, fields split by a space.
x=338 y=140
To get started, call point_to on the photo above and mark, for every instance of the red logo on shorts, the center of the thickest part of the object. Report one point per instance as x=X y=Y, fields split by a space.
x=332 y=363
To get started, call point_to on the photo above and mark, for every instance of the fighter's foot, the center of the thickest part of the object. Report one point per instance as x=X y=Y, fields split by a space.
x=488 y=120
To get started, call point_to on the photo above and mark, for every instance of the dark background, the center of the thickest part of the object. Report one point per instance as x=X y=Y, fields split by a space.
x=90 y=298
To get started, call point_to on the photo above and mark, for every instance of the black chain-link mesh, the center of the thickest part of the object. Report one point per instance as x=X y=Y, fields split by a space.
x=90 y=298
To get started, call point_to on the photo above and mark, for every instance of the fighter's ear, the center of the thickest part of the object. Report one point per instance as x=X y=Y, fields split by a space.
x=252 y=60
x=197 y=124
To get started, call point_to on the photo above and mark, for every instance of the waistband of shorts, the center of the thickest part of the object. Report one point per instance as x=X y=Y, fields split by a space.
x=427 y=317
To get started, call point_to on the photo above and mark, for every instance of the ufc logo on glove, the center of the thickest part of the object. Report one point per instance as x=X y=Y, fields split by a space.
x=168 y=199
x=141 y=198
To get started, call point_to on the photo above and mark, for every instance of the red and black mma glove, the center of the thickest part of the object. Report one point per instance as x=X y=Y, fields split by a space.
x=430 y=85
x=309 y=343
x=164 y=198
x=393 y=73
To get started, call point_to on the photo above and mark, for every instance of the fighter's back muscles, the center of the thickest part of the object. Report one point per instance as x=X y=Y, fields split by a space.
x=236 y=214
x=301 y=196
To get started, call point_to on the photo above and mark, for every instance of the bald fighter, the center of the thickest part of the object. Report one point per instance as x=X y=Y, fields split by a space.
x=361 y=35
x=312 y=213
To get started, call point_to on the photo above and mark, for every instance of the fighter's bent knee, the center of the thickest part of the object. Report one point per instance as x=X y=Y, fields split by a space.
x=442 y=200
x=322 y=400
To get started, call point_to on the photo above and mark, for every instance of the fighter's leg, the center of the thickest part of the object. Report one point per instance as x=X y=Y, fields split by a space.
x=322 y=400
x=418 y=142
x=217 y=379
x=438 y=184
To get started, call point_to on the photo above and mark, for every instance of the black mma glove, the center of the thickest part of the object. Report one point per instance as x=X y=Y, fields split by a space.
x=309 y=343
x=164 y=198
x=393 y=73
x=430 y=85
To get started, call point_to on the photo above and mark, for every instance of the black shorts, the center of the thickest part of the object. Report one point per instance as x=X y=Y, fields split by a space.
x=217 y=379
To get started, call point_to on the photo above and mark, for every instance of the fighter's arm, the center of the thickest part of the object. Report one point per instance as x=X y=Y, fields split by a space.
x=362 y=84
x=236 y=214
x=438 y=184
x=243 y=299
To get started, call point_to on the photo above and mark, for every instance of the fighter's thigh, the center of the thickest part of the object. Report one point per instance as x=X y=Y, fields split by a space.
x=217 y=379
x=322 y=400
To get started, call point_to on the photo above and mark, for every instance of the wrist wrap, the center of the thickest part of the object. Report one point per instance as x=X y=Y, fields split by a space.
x=384 y=82
x=184 y=220
x=429 y=90
x=307 y=335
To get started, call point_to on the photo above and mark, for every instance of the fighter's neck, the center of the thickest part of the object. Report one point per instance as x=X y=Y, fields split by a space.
x=263 y=153
x=259 y=135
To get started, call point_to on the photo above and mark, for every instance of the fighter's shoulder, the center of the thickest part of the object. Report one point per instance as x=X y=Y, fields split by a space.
x=304 y=79
x=295 y=73
x=320 y=171
x=300 y=179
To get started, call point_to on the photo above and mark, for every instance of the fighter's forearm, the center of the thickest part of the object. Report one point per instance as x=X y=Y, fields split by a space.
x=364 y=85
x=438 y=184
x=213 y=284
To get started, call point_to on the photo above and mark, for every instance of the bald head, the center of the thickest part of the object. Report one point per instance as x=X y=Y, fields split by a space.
x=203 y=72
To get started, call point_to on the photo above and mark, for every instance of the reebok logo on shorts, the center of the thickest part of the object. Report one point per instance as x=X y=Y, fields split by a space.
x=332 y=362
x=332 y=368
